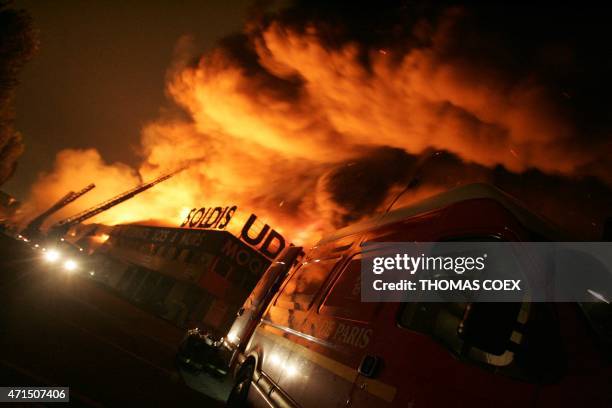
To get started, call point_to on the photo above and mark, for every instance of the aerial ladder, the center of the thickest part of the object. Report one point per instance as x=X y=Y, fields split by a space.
x=32 y=230
x=62 y=227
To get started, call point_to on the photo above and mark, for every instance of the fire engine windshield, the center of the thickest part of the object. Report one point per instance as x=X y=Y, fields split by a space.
x=301 y=288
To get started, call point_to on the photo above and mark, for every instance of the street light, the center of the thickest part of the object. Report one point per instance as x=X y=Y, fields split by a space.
x=70 y=265
x=52 y=255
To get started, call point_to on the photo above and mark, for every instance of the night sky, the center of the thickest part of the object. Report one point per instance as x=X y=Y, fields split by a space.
x=99 y=73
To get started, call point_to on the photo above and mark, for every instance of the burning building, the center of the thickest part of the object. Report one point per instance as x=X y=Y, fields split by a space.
x=196 y=274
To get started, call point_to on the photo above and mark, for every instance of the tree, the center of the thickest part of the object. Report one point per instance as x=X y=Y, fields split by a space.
x=17 y=45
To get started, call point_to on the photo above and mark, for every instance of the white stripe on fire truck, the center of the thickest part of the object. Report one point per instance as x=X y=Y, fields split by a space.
x=377 y=388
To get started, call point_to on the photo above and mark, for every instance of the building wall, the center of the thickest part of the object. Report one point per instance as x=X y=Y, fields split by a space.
x=187 y=277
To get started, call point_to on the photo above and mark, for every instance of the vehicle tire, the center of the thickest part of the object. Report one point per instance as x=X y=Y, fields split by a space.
x=240 y=391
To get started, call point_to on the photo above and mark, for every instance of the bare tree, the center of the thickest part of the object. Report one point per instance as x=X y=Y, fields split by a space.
x=17 y=44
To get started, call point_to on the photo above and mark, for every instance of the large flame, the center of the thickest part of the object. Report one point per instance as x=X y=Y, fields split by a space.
x=311 y=136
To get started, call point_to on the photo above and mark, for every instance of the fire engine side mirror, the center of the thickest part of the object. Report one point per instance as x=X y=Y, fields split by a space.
x=489 y=326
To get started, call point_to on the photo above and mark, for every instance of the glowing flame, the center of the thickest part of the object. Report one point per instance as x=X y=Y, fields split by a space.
x=183 y=214
x=309 y=137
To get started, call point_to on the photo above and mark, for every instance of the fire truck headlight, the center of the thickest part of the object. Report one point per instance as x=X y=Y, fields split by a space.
x=52 y=255
x=70 y=265
x=232 y=338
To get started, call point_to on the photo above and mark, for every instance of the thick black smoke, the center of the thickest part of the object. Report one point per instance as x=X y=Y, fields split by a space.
x=561 y=50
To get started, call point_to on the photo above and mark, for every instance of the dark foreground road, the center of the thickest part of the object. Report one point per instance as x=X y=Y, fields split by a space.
x=62 y=330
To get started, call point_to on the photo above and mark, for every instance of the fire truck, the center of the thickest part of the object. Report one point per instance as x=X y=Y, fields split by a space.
x=304 y=338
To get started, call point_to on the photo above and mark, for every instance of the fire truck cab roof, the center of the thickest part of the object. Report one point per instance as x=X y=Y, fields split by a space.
x=467 y=192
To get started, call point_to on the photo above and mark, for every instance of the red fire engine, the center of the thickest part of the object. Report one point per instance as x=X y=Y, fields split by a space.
x=313 y=343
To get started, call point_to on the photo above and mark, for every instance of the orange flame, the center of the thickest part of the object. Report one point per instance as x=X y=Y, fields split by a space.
x=276 y=128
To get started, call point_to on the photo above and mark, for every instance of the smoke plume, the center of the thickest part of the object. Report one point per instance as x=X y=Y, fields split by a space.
x=317 y=115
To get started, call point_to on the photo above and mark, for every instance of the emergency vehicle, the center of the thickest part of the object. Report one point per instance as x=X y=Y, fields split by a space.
x=318 y=345
x=249 y=314
x=200 y=350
